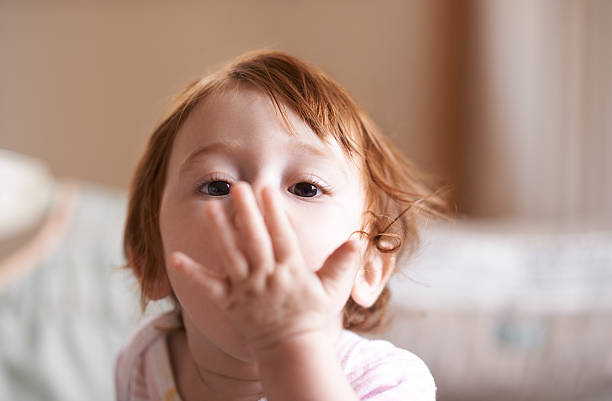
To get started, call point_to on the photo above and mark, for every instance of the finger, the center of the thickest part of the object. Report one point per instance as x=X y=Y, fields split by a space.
x=224 y=242
x=215 y=285
x=251 y=228
x=340 y=268
x=284 y=240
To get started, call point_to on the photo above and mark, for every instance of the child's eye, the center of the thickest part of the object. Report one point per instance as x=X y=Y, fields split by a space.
x=304 y=189
x=216 y=188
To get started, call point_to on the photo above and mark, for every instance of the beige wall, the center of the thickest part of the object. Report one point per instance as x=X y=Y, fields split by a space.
x=83 y=84
x=508 y=101
x=540 y=127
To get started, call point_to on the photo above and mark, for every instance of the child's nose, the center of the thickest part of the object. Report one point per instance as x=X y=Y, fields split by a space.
x=259 y=184
x=256 y=189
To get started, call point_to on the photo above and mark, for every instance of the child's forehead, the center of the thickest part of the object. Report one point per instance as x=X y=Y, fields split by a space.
x=241 y=114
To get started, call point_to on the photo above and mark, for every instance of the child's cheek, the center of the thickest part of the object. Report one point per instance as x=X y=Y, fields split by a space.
x=323 y=235
x=186 y=229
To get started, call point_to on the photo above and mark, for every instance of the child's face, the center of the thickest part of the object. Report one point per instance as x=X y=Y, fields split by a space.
x=236 y=136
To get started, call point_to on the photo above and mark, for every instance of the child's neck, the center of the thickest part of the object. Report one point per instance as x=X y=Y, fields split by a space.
x=228 y=379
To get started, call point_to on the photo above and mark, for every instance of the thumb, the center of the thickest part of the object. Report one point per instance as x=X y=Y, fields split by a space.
x=340 y=268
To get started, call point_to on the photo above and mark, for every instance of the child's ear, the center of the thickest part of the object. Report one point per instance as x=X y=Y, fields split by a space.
x=372 y=277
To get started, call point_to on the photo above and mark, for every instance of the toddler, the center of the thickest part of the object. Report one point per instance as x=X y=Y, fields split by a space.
x=272 y=212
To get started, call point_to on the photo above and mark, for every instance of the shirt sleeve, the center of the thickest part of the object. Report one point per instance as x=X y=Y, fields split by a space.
x=382 y=372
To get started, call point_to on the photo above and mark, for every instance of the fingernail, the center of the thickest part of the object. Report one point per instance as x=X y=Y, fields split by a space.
x=360 y=242
x=356 y=246
x=177 y=259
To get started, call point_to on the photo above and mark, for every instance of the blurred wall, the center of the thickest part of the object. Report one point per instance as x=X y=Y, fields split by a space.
x=538 y=134
x=83 y=83
x=509 y=102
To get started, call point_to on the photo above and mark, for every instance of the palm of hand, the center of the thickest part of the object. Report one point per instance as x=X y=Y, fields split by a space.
x=268 y=293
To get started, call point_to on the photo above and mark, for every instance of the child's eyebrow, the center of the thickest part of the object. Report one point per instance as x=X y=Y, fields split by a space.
x=232 y=147
x=223 y=146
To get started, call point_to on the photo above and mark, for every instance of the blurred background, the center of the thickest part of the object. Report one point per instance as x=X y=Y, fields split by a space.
x=509 y=102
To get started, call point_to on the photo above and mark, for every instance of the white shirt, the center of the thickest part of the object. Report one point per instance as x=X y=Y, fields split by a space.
x=376 y=369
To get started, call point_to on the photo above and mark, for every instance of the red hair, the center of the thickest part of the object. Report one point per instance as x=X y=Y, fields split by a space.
x=396 y=192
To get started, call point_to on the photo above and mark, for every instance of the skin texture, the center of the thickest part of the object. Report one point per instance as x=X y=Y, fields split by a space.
x=261 y=273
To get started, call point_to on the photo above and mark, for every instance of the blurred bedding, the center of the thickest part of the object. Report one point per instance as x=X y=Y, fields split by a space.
x=510 y=310
x=62 y=321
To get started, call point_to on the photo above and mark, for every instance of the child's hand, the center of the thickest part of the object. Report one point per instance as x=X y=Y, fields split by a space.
x=269 y=293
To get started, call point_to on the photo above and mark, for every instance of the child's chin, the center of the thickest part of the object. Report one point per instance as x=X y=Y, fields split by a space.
x=243 y=353
x=234 y=345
